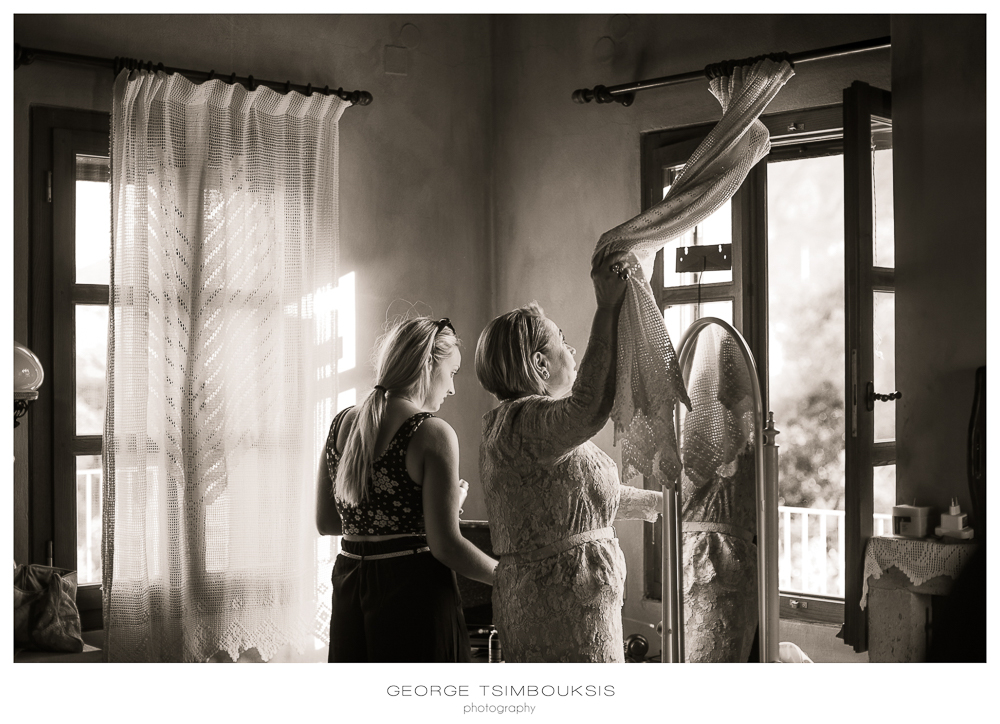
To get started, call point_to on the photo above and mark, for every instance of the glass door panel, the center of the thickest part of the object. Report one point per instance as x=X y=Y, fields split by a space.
x=884 y=248
x=91 y=367
x=679 y=317
x=884 y=488
x=805 y=216
x=716 y=229
x=93 y=220
x=884 y=330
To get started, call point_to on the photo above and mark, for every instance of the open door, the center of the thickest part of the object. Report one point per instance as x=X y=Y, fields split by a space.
x=869 y=321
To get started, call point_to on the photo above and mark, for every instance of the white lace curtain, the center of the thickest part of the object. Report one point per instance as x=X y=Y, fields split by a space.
x=221 y=368
x=649 y=380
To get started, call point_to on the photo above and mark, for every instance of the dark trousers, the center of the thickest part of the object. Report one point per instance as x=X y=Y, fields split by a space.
x=403 y=609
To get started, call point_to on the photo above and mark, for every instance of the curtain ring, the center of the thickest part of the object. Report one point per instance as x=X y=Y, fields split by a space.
x=309 y=89
x=288 y=87
x=326 y=90
x=250 y=84
x=211 y=75
x=232 y=79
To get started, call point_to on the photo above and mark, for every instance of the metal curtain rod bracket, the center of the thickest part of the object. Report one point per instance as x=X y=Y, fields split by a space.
x=26 y=56
x=625 y=93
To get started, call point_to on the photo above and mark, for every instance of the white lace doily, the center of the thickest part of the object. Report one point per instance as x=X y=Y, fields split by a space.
x=920 y=559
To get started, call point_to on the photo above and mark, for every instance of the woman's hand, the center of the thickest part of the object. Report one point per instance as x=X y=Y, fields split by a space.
x=463 y=492
x=610 y=274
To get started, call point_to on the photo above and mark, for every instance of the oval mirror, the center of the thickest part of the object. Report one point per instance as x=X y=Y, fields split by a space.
x=724 y=576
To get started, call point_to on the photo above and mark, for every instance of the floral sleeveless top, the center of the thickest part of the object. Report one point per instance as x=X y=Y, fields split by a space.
x=394 y=503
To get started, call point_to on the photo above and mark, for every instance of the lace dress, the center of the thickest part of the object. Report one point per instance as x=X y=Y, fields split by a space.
x=717 y=493
x=545 y=481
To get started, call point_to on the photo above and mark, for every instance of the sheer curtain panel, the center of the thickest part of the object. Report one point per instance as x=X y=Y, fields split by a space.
x=221 y=368
x=649 y=380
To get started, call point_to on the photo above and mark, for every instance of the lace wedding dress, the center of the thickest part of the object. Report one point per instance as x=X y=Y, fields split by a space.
x=545 y=481
x=718 y=485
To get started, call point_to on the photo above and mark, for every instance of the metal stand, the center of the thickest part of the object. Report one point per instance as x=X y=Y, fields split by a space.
x=767 y=546
x=672 y=596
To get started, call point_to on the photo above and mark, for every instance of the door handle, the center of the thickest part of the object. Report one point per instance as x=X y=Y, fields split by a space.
x=872 y=395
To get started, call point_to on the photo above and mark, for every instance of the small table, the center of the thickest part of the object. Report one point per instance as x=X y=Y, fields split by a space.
x=901 y=576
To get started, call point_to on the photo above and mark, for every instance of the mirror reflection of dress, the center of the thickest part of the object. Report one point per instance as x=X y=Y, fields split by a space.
x=717 y=504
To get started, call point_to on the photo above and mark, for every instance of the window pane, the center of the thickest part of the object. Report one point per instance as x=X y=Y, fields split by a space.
x=93 y=220
x=91 y=364
x=884 y=489
x=805 y=211
x=88 y=519
x=884 y=246
x=716 y=229
x=680 y=316
x=885 y=364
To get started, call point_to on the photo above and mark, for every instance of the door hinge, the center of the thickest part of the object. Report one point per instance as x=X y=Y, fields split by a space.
x=48 y=186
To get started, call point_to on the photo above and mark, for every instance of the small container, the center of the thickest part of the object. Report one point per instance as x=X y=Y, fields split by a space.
x=496 y=653
x=910 y=521
x=954 y=523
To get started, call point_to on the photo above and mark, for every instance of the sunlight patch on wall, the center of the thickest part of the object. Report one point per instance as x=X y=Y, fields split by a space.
x=346 y=323
x=346 y=399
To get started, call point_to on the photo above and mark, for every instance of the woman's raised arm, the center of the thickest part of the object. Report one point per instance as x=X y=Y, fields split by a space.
x=553 y=427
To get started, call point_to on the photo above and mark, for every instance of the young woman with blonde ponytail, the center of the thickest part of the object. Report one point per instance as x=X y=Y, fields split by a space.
x=388 y=483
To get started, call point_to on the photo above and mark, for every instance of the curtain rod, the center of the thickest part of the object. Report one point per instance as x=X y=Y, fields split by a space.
x=25 y=56
x=625 y=93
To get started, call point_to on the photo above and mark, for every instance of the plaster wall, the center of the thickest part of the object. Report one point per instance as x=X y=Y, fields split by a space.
x=414 y=165
x=939 y=167
x=565 y=173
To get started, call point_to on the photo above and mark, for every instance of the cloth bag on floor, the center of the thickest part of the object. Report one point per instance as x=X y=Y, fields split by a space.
x=45 y=614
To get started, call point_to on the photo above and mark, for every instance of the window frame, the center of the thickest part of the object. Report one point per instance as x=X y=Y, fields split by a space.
x=807 y=132
x=57 y=135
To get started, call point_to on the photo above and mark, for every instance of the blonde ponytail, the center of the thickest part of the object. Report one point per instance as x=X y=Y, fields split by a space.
x=404 y=357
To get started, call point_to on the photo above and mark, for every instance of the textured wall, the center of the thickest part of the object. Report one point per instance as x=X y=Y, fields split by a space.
x=939 y=122
x=565 y=173
x=414 y=165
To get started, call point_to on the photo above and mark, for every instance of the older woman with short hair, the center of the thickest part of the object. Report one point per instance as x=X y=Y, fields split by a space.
x=552 y=494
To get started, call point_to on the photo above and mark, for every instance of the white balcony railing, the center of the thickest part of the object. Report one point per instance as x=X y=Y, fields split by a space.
x=811 y=549
x=88 y=525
